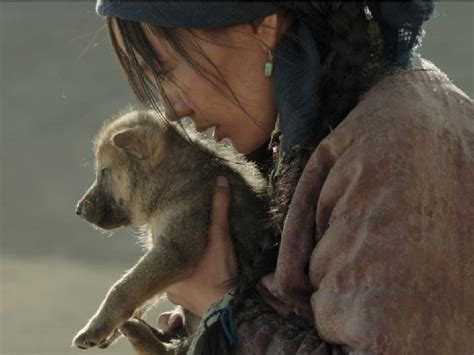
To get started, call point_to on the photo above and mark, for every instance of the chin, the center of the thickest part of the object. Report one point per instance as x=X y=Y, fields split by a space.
x=113 y=223
x=247 y=147
x=242 y=149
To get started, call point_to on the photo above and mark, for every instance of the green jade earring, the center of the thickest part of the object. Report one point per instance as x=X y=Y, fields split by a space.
x=268 y=69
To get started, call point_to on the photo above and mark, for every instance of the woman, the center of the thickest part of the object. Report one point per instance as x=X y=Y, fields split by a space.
x=369 y=146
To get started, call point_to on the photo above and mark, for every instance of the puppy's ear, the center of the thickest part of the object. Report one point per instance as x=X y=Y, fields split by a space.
x=132 y=141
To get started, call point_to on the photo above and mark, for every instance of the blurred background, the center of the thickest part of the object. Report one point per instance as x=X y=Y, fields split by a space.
x=58 y=81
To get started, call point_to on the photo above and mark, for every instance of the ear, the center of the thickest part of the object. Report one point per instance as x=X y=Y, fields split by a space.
x=132 y=141
x=270 y=29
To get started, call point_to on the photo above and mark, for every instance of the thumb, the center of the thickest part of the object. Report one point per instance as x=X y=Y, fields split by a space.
x=170 y=321
x=142 y=337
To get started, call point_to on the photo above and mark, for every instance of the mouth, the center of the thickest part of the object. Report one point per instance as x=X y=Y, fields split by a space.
x=106 y=216
x=113 y=224
x=216 y=133
x=202 y=129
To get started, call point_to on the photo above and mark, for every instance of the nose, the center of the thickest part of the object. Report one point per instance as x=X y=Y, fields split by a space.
x=177 y=109
x=79 y=208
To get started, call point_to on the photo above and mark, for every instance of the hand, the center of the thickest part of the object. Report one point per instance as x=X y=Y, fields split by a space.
x=218 y=264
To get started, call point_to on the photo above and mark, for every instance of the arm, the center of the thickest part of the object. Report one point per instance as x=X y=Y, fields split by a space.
x=390 y=271
x=272 y=333
x=391 y=203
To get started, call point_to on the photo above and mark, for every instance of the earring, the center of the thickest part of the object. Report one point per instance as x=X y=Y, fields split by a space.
x=269 y=65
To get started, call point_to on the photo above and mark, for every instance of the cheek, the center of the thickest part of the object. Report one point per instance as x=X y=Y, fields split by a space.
x=197 y=93
x=120 y=188
x=204 y=93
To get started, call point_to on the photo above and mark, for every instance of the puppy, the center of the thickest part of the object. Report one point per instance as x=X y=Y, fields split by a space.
x=149 y=175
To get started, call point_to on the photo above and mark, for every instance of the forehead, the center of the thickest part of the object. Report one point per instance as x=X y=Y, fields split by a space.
x=103 y=148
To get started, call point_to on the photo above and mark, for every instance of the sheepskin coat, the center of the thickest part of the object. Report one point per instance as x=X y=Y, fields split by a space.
x=377 y=251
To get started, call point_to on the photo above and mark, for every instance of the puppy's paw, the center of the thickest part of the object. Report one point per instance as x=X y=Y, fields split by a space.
x=91 y=336
x=144 y=339
x=111 y=339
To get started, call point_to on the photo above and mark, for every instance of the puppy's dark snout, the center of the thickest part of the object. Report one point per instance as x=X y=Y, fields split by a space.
x=79 y=208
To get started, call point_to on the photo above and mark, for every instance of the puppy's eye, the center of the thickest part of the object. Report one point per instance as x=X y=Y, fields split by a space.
x=104 y=172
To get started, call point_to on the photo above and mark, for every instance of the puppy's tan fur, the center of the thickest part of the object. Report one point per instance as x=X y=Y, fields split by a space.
x=148 y=175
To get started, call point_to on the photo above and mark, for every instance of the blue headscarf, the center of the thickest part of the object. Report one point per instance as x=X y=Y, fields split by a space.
x=297 y=65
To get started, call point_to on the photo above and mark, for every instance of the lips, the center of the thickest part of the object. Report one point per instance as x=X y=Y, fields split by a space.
x=204 y=128
x=217 y=133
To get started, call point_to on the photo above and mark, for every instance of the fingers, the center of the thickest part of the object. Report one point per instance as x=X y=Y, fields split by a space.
x=220 y=205
x=170 y=322
x=142 y=338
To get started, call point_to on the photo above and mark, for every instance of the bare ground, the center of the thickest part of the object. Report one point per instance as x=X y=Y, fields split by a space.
x=44 y=302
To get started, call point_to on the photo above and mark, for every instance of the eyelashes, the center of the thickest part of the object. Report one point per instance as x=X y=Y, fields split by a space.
x=151 y=74
x=162 y=73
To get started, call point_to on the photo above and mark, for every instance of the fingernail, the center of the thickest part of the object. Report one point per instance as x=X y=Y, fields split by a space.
x=222 y=181
x=172 y=318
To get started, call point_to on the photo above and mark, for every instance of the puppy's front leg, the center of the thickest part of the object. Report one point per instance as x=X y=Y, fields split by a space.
x=155 y=270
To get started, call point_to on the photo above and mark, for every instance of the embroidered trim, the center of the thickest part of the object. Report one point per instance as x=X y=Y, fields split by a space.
x=226 y=317
x=212 y=315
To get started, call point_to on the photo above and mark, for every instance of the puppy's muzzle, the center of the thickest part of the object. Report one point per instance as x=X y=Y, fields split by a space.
x=79 y=208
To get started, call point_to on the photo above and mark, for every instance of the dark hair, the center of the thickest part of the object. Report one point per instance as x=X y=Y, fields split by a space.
x=353 y=60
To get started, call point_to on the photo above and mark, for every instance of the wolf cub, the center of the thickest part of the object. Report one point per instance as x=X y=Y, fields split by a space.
x=149 y=175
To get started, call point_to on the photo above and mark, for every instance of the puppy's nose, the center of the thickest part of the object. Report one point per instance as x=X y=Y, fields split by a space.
x=79 y=208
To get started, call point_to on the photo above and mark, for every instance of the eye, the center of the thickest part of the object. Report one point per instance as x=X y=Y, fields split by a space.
x=104 y=172
x=150 y=73
x=162 y=72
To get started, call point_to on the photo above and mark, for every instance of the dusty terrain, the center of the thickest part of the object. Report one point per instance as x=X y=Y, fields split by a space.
x=40 y=314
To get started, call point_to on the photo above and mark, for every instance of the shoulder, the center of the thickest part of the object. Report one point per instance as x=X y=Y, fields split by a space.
x=411 y=129
x=419 y=105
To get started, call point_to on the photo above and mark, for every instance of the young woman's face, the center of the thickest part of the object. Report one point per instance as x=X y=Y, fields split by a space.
x=238 y=102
